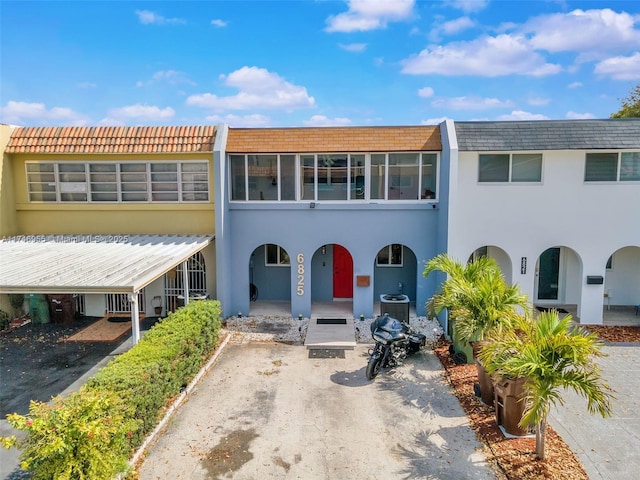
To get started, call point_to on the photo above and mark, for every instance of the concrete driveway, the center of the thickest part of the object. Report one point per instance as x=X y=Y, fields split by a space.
x=267 y=410
x=609 y=448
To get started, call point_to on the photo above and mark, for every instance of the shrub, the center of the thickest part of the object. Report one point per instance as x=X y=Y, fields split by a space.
x=5 y=320
x=163 y=362
x=91 y=434
x=83 y=436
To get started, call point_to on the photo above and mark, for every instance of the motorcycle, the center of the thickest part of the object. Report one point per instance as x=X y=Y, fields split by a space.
x=395 y=340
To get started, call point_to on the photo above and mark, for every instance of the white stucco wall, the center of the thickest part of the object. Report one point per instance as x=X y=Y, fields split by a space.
x=593 y=220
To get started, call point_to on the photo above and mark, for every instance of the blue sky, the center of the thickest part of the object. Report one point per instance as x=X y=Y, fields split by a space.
x=301 y=63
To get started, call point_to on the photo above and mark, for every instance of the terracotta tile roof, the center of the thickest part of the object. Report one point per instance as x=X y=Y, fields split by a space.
x=333 y=139
x=112 y=139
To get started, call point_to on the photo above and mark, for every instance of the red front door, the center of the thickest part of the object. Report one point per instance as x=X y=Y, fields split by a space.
x=342 y=273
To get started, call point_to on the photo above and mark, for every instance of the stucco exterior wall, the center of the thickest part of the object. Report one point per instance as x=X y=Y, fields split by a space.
x=8 y=225
x=104 y=217
x=362 y=229
x=592 y=220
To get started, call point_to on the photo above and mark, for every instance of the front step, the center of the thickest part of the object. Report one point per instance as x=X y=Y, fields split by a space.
x=328 y=335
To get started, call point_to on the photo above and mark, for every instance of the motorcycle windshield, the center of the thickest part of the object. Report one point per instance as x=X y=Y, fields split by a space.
x=389 y=324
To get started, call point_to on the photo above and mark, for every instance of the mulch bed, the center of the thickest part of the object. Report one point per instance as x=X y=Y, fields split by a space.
x=514 y=458
x=615 y=334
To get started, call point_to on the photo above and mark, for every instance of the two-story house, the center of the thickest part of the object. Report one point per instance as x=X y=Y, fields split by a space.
x=340 y=215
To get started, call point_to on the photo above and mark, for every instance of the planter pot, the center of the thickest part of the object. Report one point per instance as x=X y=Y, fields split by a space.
x=487 y=388
x=510 y=406
x=158 y=310
x=484 y=379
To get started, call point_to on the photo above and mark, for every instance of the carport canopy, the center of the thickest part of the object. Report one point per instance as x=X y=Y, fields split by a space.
x=105 y=264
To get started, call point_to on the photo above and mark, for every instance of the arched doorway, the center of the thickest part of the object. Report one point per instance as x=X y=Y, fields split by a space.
x=499 y=255
x=558 y=274
x=269 y=274
x=331 y=273
x=622 y=280
x=395 y=271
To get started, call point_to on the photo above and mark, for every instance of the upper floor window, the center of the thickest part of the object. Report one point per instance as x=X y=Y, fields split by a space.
x=333 y=177
x=612 y=167
x=118 y=182
x=506 y=167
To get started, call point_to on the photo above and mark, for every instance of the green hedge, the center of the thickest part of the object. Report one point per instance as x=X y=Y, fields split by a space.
x=124 y=400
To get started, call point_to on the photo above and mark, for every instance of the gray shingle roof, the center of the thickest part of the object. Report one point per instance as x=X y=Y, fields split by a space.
x=549 y=135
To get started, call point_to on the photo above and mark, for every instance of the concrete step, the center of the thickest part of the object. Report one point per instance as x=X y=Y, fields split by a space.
x=330 y=336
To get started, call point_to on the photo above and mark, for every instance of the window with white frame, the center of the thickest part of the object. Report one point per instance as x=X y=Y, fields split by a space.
x=510 y=167
x=390 y=256
x=612 y=167
x=333 y=177
x=275 y=256
x=118 y=182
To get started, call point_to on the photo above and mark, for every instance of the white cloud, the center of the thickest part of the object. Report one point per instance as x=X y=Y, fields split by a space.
x=522 y=115
x=322 y=121
x=458 y=25
x=434 y=121
x=538 y=101
x=575 y=85
x=26 y=113
x=594 y=32
x=468 y=6
x=255 y=120
x=366 y=15
x=219 y=23
x=426 y=92
x=172 y=77
x=147 y=17
x=471 y=103
x=353 y=47
x=579 y=116
x=485 y=56
x=87 y=85
x=620 y=68
x=258 y=88
x=137 y=112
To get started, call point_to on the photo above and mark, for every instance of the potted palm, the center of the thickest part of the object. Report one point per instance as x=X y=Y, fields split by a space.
x=548 y=354
x=480 y=303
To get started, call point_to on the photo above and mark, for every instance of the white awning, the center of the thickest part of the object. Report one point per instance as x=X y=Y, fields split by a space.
x=91 y=263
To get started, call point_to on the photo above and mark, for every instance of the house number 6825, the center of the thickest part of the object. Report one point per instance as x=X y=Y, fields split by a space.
x=300 y=287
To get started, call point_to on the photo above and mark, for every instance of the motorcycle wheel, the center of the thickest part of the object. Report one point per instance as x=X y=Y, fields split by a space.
x=373 y=367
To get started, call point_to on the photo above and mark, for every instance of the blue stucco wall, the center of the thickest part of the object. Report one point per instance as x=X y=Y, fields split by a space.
x=363 y=229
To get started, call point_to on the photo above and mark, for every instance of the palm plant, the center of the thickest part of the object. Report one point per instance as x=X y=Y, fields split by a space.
x=551 y=355
x=476 y=295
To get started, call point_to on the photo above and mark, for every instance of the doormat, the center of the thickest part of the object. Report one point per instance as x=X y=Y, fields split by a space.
x=326 y=353
x=331 y=321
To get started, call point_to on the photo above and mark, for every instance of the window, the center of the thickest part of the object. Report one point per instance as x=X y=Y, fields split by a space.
x=390 y=256
x=275 y=255
x=609 y=265
x=630 y=167
x=612 y=167
x=601 y=167
x=404 y=172
x=118 y=182
x=337 y=177
x=504 y=167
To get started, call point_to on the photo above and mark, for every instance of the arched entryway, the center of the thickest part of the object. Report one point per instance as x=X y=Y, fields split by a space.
x=622 y=282
x=558 y=277
x=499 y=255
x=331 y=280
x=395 y=272
x=269 y=277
